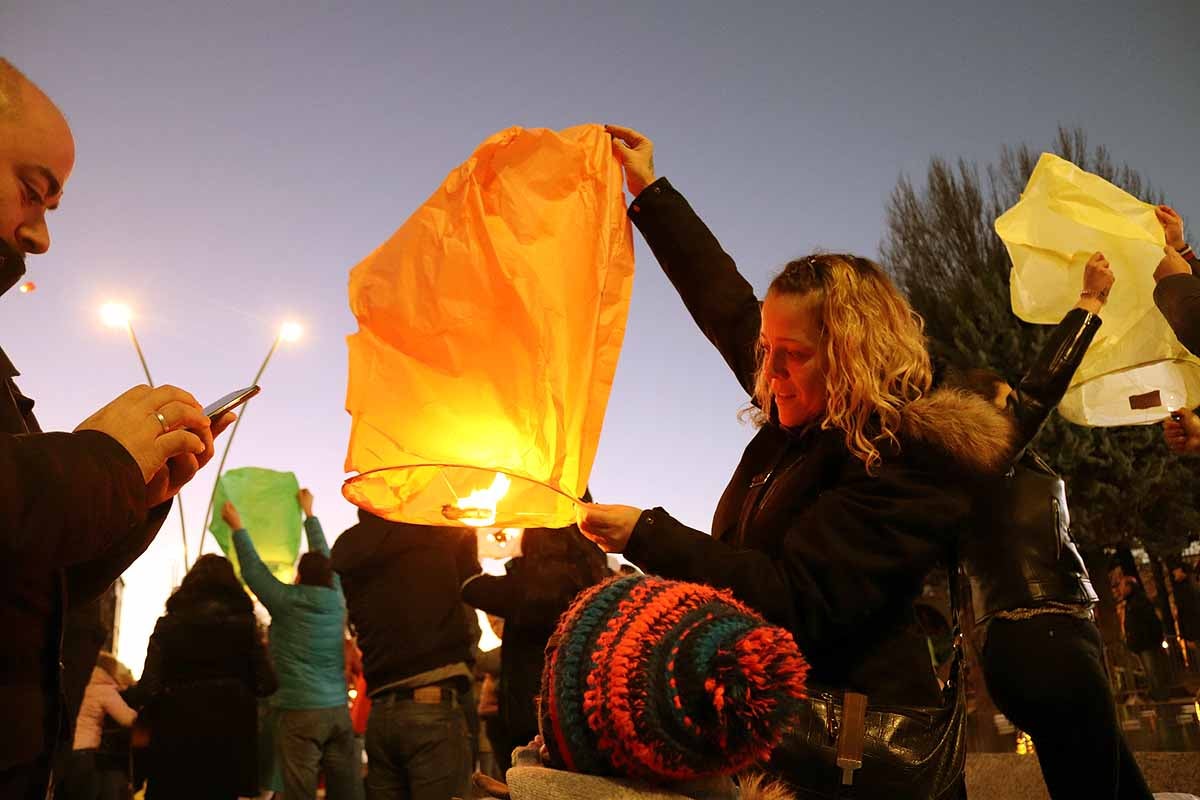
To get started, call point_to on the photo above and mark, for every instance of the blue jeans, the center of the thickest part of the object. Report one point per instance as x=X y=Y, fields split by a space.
x=315 y=740
x=417 y=751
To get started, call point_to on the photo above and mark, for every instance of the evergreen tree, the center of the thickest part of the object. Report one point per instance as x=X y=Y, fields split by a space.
x=941 y=247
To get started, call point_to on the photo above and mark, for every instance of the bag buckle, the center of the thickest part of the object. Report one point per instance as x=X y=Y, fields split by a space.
x=852 y=735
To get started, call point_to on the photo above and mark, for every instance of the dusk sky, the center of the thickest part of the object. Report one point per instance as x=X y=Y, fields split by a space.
x=235 y=160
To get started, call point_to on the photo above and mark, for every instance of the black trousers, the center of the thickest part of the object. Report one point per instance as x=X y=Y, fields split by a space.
x=28 y=781
x=1047 y=675
x=78 y=778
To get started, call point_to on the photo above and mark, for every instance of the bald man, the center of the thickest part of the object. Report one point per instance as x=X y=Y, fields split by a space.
x=76 y=508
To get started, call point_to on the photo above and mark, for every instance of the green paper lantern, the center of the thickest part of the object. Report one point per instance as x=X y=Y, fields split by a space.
x=266 y=500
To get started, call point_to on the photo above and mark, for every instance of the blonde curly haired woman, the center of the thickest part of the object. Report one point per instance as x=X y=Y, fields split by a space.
x=858 y=480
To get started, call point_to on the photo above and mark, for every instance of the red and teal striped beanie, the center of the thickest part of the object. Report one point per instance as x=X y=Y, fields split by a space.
x=666 y=681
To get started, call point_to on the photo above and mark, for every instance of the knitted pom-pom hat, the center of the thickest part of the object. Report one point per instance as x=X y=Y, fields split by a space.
x=666 y=681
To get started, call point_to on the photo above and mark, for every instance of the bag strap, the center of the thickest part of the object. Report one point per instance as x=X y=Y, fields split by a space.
x=958 y=665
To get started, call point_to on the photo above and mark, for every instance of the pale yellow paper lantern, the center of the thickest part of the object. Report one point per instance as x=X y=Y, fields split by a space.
x=490 y=325
x=1136 y=371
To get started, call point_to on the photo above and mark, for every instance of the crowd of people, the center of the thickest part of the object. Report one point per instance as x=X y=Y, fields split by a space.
x=782 y=641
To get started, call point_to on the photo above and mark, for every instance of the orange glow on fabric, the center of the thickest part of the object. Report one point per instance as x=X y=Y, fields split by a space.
x=490 y=325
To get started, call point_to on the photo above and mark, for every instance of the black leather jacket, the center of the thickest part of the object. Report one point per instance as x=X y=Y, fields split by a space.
x=1020 y=553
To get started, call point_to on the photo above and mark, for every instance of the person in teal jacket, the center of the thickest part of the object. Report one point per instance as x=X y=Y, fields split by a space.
x=308 y=621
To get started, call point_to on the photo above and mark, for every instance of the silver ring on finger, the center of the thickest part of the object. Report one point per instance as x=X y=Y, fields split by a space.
x=162 y=421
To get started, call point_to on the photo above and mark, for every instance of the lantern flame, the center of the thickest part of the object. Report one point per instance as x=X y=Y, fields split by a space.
x=478 y=509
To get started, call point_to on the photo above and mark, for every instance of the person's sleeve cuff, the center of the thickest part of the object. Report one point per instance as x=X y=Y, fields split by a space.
x=639 y=548
x=653 y=195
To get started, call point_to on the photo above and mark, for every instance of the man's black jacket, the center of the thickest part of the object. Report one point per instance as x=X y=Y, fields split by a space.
x=73 y=517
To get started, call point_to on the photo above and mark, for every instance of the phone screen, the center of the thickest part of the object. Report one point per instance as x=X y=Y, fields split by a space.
x=214 y=411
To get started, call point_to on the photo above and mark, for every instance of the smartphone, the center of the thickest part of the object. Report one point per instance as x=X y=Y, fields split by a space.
x=214 y=411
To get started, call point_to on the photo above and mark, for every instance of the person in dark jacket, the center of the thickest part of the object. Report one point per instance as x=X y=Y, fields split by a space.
x=856 y=483
x=402 y=586
x=1177 y=287
x=537 y=587
x=1030 y=589
x=205 y=666
x=77 y=508
x=1142 y=631
x=1187 y=604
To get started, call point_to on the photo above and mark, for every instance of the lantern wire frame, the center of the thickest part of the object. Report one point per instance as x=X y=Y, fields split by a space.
x=429 y=506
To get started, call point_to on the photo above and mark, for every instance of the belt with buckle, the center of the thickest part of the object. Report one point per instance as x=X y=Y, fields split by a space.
x=443 y=691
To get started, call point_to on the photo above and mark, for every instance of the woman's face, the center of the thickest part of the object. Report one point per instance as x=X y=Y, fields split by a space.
x=793 y=360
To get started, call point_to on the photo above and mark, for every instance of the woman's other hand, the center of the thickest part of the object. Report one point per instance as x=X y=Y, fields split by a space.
x=1172 y=225
x=636 y=154
x=608 y=526
x=1097 y=282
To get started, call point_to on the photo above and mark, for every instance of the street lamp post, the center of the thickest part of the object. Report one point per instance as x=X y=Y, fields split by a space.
x=117 y=315
x=288 y=332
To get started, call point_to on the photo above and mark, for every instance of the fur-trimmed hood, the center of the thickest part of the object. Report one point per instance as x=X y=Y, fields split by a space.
x=963 y=427
x=760 y=787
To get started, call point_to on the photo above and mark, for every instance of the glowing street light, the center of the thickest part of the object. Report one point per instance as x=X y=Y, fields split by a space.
x=118 y=315
x=289 y=331
x=115 y=315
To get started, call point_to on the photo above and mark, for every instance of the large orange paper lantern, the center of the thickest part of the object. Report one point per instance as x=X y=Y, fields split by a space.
x=489 y=329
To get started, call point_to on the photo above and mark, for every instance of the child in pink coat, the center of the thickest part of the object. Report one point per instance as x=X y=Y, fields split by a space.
x=101 y=700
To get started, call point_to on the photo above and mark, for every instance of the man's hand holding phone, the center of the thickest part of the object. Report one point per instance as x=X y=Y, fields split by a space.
x=166 y=432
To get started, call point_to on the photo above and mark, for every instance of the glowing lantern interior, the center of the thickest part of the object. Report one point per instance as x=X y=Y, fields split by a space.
x=1136 y=371
x=490 y=325
x=478 y=509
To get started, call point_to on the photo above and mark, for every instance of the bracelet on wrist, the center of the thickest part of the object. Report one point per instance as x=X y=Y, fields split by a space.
x=1187 y=252
x=1093 y=295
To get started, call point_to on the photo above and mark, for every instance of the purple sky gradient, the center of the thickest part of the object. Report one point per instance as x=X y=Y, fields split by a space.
x=235 y=160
